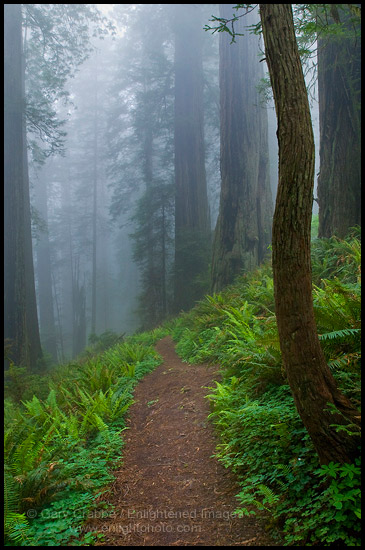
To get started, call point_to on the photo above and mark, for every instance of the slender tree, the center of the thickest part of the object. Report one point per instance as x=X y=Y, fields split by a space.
x=321 y=405
x=243 y=230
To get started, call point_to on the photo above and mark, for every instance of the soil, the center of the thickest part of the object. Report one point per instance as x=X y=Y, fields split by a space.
x=170 y=490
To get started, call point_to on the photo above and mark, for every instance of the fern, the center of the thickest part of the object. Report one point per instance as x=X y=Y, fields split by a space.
x=129 y=369
x=15 y=523
x=64 y=443
x=25 y=454
x=270 y=498
x=339 y=335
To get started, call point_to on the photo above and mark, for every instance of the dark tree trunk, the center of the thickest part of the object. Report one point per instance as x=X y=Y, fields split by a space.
x=339 y=91
x=309 y=376
x=192 y=229
x=20 y=322
x=243 y=230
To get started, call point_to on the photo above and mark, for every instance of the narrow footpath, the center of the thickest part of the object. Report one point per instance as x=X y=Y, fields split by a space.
x=170 y=491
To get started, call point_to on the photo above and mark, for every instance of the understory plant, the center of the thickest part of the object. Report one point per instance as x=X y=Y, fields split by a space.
x=60 y=449
x=262 y=437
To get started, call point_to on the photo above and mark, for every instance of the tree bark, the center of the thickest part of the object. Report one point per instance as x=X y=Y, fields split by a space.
x=79 y=312
x=339 y=94
x=95 y=201
x=243 y=230
x=44 y=272
x=20 y=322
x=309 y=376
x=192 y=231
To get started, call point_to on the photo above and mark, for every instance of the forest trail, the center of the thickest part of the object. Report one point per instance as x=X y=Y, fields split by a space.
x=169 y=490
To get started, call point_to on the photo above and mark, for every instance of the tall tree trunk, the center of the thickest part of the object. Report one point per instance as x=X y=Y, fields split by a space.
x=79 y=311
x=20 y=322
x=67 y=266
x=339 y=92
x=309 y=376
x=95 y=194
x=32 y=329
x=62 y=355
x=163 y=266
x=104 y=263
x=243 y=230
x=192 y=231
x=44 y=273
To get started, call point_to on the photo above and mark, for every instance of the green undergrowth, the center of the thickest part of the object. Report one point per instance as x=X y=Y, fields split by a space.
x=262 y=438
x=63 y=436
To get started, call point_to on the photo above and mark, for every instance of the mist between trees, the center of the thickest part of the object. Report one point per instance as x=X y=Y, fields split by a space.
x=141 y=155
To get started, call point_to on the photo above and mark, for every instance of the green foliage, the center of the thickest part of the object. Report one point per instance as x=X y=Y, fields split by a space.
x=236 y=329
x=151 y=337
x=20 y=385
x=262 y=437
x=331 y=513
x=60 y=445
x=337 y=257
x=100 y=343
x=15 y=523
x=59 y=449
x=58 y=42
x=314 y=226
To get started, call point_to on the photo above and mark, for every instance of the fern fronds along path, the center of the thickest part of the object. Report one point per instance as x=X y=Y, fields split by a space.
x=170 y=490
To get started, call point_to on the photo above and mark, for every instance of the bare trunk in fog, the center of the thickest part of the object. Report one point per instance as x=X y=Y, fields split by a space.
x=312 y=384
x=79 y=311
x=95 y=194
x=339 y=91
x=192 y=231
x=243 y=230
x=104 y=263
x=20 y=322
x=44 y=273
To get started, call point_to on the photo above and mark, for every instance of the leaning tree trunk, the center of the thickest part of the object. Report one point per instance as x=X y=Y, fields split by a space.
x=312 y=384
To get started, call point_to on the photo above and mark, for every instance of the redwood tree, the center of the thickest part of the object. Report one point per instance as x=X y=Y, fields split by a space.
x=243 y=230
x=20 y=319
x=44 y=270
x=319 y=402
x=339 y=94
x=192 y=227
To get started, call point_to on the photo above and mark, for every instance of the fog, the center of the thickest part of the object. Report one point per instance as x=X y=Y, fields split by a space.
x=102 y=200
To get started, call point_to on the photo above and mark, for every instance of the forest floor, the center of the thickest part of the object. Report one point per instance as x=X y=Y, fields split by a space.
x=170 y=490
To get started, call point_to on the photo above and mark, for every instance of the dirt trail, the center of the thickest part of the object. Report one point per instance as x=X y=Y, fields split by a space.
x=170 y=491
